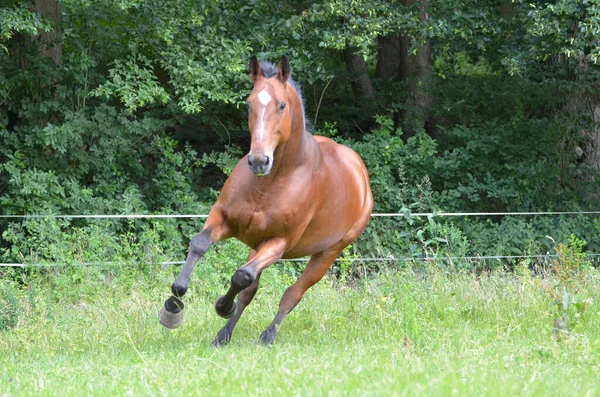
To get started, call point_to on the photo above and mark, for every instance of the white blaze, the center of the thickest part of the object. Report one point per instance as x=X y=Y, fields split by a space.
x=264 y=97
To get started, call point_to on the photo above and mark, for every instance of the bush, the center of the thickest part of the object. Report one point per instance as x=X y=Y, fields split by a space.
x=477 y=175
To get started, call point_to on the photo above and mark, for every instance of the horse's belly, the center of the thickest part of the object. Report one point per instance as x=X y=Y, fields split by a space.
x=310 y=247
x=323 y=232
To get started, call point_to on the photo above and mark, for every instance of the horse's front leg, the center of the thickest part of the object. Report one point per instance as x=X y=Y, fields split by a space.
x=244 y=298
x=171 y=314
x=266 y=254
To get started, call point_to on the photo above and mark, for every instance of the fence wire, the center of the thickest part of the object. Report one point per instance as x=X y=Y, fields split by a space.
x=382 y=259
x=203 y=216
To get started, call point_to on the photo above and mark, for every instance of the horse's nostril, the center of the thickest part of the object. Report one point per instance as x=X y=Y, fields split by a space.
x=267 y=159
x=250 y=161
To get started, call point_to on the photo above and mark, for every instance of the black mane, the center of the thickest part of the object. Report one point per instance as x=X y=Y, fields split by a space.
x=270 y=70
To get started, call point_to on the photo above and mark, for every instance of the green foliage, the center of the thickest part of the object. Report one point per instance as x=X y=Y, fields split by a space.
x=506 y=181
x=569 y=269
x=399 y=179
x=102 y=161
x=134 y=83
x=343 y=266
x=492 y=166
x=65 y=242
x=226 y=161
x=569 y=27
x=166 y=51
x=394 y=166
x=17 y=17
x=356 y=24
x=10 y=306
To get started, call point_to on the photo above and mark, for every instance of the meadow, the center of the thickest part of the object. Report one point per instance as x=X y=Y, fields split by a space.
x=406 y=331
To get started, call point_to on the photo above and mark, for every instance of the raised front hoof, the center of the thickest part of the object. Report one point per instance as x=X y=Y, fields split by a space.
x=170 y=320
x=223 y=337
x=268 y=336
x=222 y=310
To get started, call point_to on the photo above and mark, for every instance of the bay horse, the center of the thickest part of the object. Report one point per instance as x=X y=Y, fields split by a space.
x=292 y=195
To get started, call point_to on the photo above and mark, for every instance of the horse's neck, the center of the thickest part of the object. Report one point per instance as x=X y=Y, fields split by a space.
x=301 y=149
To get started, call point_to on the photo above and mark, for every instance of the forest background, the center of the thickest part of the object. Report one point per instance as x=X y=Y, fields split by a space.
x=136 y=107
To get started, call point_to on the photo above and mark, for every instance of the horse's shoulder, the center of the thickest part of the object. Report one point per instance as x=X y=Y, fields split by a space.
x=331 y=148
x=324 y=141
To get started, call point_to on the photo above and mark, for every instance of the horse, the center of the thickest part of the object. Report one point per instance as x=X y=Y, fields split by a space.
x=293 y=195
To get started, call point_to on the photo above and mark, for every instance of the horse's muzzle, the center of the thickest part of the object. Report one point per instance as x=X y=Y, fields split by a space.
x=260 y=164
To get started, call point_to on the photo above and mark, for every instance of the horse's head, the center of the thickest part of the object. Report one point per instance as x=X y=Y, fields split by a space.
x=268 y=114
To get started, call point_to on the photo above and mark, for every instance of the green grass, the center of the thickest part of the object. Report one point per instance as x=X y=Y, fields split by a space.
x=397 y=334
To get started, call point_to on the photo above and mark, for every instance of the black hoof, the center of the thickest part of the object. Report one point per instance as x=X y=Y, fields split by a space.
x=225 y=312
x=168 y=319
x=223 y=337
x=268 y=336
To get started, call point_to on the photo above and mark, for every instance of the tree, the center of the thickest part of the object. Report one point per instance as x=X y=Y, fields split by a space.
x=50 y=42
x=415 y=72
x=566 y=34
x=359 y=76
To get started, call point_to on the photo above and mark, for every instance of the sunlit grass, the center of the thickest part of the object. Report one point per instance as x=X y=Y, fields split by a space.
x=400 y=333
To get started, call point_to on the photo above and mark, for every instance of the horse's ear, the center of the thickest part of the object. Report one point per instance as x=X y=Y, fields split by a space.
x=255 y=71
x=284 y=69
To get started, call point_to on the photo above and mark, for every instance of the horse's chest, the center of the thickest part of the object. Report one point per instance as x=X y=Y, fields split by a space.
x=255 y=226
x=281 y=210
x=256 y=222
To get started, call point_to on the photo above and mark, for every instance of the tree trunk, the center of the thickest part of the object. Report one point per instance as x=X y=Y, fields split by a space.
x=388 y=57
x=50 y=43
x=415 y=72
x=591 y=147
x=359 y=77
x=583 y=104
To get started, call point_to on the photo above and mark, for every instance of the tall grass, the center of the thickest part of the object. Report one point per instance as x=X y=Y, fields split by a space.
x=94 y=331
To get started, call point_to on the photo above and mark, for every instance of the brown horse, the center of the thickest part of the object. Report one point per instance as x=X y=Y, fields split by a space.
x=293 y=195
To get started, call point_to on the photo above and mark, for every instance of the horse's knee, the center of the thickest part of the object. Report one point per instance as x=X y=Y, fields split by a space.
x=242 y=278
x=247 y=294
x=200 y=243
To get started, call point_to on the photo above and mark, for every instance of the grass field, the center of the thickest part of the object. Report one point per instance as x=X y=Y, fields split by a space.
x=400 y=333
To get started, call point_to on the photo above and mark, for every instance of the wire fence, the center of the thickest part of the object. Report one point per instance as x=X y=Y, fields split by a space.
x=383 y=259
x=406 y=214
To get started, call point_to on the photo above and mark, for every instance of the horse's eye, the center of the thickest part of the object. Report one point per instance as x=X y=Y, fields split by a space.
x=281 y=106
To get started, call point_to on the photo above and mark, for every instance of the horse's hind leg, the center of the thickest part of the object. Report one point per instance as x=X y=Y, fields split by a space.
x=244 y=298
x=315 y=270
x=171 y=314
